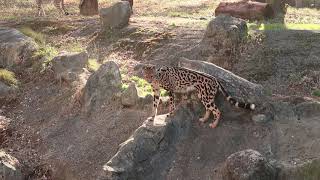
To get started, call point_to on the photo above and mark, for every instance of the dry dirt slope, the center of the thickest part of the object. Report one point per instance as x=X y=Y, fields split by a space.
x=83 y=144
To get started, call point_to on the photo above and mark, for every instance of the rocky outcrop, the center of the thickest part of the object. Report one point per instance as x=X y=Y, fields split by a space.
x=130 y=96
x=68 y=66
x=145 y=153
x=102 y=87
x=248 y=165
x=222 y=40
x=16 y=49
x=10 y=167
x=116 y=16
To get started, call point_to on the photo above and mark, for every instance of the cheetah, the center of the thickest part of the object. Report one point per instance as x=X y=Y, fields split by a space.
x=182 y=80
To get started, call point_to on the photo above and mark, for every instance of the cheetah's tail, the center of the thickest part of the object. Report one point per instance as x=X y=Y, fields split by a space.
x=234 y=102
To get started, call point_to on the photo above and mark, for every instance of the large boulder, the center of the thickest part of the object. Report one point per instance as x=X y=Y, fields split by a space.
x=102 y=87
x=146 y=152
x=15 y=48
x=223 y=38
x=68 y=66
x=116 y=16
x=248 y=165
x=10 y=167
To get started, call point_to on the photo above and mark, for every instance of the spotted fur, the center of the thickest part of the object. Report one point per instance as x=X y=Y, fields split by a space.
x=177 y=79
x=59 y=4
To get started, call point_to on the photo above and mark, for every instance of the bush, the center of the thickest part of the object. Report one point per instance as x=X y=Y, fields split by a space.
x=8 y=77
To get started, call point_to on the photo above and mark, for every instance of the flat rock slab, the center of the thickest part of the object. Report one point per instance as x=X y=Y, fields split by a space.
x=15 y=48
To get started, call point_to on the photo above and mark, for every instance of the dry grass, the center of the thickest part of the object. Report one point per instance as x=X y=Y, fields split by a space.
x=8 y=77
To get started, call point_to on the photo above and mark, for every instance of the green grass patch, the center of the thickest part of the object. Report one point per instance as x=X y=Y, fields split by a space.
x=124 y=87
x=8 y=77
x=279 y=26
x=37 y=36
x=144 y=88
x=47 y=53
x=93 y=65
x=316 y=93
x=310 y=171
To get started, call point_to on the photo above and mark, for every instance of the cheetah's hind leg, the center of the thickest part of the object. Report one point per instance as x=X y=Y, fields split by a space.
x=205 y=117
x=216 y=114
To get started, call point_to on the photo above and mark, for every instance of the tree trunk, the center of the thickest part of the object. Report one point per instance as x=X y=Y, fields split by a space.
x=88 y=7
x=246 y=10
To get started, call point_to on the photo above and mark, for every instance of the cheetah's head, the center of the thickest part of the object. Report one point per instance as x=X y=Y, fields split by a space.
x=149 y=72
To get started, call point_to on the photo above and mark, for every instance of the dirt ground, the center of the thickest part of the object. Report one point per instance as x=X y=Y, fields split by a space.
x=54 y=141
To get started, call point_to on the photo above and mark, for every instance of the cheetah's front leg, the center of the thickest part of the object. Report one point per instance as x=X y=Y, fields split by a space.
x=171 y=104
x=156 y=99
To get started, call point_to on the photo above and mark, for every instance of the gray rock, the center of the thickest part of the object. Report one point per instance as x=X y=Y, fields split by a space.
x=146 y=149
x=226 y=27
x=145 y=102
x=15 y=48
x=116 y=16
x=7 y=93
x=248 y=165
x=4 y=89
x=68 y=66
x=130 y=96
x=9 y=167
x=102 y=87
x=222 y=39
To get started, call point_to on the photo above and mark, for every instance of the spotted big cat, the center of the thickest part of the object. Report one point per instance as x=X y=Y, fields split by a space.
x=182 y=80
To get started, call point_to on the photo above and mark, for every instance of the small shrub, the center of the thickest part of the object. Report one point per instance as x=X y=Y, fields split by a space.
x=144 y=88
x=163 y=92
x=48 y=53
x=124 y=87
x=37 y=36
x=8 y=77
x=93 y=65
x=316 y=93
